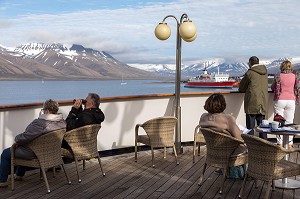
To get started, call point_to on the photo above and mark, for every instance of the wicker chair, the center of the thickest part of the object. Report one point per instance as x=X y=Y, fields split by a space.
x=160 y=133
x=198 y=140
x=265 y=162
x=220 y=148
x=47 y=150
x=83 y=145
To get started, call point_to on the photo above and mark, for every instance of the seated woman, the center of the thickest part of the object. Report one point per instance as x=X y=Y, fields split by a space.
x=218 y=121
x=49 y=120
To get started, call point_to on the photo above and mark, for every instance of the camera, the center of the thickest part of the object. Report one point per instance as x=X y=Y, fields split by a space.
x=82 y=100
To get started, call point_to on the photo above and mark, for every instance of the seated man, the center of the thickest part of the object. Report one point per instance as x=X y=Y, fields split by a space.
x=78 y=117
x=48 y=121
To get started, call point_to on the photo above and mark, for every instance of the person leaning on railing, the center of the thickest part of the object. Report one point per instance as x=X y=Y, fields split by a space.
x=286 y=86
x=255 y=85
x=49 y=120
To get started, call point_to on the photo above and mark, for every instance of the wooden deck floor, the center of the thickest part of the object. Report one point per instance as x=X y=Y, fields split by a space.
x=128 y=179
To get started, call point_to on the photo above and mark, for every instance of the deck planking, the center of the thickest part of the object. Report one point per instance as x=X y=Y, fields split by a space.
x=128 y=179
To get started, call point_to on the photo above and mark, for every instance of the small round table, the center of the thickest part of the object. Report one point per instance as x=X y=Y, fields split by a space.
x=284 y=183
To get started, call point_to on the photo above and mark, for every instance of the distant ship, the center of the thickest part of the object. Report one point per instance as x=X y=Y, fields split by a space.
x=214 y=80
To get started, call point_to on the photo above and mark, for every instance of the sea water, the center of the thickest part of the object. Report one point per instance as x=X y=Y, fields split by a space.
x=22 y=92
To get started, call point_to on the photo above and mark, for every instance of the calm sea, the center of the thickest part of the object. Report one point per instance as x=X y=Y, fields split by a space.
x=22 y=92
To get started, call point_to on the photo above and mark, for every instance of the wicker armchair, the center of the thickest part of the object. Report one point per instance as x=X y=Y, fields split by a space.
x=220 y=148
x=265 y=162
x=160 y=133
x=83 y=145
x=198 y=140
x=47 y=150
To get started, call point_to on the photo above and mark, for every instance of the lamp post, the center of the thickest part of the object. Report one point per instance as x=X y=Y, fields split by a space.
x=186 y=30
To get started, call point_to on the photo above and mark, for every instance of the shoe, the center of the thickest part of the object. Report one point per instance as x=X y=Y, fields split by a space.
x=219 y=171
x=18 y=178
x=3 y=184
x=67 y=160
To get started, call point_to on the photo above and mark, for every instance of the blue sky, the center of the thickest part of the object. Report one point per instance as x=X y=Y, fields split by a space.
x=230 y=29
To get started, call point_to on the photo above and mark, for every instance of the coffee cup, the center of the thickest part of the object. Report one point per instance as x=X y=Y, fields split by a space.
x=265 y=122
x=275 y=125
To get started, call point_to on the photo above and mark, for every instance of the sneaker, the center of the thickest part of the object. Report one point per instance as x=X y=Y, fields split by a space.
x=18 y=178
x=219 y=171
x=3 y=184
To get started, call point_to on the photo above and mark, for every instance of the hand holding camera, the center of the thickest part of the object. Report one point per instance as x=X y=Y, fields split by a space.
x=82 y=100
x=78 y=102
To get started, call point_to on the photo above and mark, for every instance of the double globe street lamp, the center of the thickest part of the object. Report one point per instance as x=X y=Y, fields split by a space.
x=186 y=30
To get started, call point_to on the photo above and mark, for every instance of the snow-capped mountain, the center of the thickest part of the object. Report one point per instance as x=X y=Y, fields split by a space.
x=163 y=69
x=216 y=65
x=33 y=49
x=56 y=61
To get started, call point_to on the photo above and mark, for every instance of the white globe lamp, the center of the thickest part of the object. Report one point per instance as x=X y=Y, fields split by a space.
x=187 y=30
x=162 y=31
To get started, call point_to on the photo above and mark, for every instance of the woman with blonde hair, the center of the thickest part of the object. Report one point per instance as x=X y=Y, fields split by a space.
x=286 y=94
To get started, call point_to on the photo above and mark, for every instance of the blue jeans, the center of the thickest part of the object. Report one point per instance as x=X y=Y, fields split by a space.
x=5 y=166
x=250 y=123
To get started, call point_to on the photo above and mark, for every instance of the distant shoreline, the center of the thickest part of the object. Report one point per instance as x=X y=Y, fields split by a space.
x=78 y=79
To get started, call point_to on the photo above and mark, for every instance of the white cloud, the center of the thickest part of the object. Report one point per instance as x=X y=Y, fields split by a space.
x=228 y=28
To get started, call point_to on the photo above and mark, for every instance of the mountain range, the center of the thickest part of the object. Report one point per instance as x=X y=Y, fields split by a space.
x=56 y=61
x=215 y=65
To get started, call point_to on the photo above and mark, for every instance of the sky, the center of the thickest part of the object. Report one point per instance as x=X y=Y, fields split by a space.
x=231 y=29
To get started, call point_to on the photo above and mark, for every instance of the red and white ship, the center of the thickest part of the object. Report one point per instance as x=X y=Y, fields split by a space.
x=214 y=80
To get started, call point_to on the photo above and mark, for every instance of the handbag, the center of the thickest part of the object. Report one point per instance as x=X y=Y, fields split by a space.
x=279 y=119
x=236 y=172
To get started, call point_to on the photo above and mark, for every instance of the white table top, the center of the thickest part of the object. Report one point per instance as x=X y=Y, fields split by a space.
x=279 y=131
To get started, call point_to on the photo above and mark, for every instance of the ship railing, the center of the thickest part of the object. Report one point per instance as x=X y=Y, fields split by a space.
x=123 y=113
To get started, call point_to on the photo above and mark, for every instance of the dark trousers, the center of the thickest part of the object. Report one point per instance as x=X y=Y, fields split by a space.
x=250 y=123
x=5 y=166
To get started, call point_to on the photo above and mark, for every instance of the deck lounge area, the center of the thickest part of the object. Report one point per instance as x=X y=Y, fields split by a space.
x=126 y=178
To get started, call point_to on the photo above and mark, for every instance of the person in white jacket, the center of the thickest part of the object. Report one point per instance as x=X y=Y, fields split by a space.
x=49 y=120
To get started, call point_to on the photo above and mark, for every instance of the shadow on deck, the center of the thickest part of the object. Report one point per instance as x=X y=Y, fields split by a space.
x=128 y=179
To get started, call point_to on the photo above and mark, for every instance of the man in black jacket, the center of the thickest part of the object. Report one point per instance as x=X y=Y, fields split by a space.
x=91 y=114
x=78 y=117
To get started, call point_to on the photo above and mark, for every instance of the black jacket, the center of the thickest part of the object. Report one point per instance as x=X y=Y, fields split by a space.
x=78 y=117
